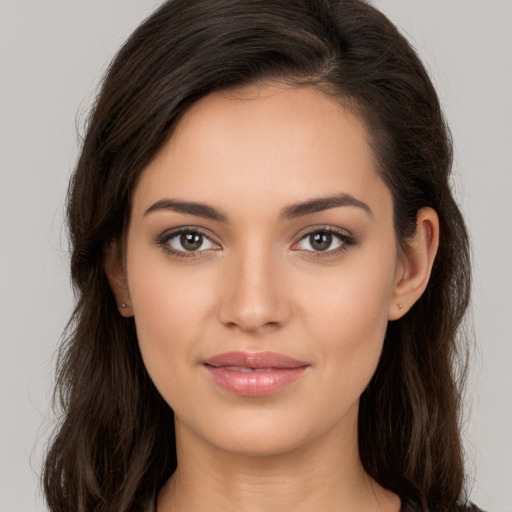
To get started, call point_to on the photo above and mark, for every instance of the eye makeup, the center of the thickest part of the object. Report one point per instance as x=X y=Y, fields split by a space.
x=325 y=240
x=193 y=242
x=186 y=242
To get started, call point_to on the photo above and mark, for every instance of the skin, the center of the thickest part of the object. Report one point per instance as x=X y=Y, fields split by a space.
x=258 y=284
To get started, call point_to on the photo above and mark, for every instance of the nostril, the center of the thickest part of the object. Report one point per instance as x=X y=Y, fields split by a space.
x=253 y=327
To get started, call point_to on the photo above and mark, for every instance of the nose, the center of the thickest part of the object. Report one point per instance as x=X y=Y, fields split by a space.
x=254 y=296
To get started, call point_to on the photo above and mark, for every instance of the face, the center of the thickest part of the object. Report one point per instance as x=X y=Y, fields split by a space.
x=261 y=264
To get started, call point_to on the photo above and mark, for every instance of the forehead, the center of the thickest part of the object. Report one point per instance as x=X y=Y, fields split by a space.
x=263 y=145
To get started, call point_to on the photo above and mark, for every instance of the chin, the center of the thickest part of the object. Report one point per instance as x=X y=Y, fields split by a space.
x=259 y=442
x=260 y=430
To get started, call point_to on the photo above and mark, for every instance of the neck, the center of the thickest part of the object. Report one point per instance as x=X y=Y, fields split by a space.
x=325 y=474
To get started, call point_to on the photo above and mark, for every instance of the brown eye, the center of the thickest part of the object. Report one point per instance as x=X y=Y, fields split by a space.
x=320 y=241
x=191 y=241
x=323 y=240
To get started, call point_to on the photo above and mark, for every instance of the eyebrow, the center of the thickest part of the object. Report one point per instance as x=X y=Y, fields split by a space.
x=289 y=212
x=323 y=203
x=192 y=208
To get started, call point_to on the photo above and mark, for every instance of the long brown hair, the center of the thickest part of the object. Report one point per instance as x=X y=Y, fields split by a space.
x=114 y=447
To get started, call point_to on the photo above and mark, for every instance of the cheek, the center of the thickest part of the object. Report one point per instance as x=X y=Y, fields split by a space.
x=170 y=316
x=347 y=314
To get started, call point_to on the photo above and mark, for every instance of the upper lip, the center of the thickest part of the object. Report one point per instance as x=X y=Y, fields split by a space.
x=254 y=360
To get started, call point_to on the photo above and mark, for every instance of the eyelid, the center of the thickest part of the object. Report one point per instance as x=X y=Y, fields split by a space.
x=163 y=239
x=347 y=239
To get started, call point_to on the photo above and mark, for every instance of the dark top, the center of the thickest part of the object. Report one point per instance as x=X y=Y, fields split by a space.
x=407 y=506
x=412 y=506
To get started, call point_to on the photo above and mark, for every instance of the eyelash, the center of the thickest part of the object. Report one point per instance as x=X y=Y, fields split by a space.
x=345 y=242
x=165 y=238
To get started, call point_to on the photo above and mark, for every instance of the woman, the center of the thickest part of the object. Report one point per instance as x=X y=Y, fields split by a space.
x=270 y=270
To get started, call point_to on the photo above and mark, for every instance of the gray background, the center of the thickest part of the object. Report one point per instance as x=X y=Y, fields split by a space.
x=52 y=55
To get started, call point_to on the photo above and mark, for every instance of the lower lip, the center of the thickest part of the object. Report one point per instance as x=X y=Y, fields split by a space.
x=254 y=383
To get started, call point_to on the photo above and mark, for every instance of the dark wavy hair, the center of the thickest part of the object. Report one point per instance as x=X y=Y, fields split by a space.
x=114 y=447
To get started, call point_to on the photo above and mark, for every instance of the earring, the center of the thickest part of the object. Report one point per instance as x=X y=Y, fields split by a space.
x=123 y=305
x=400 y=307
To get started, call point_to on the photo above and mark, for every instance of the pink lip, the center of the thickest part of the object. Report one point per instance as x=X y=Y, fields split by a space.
x=254 y=374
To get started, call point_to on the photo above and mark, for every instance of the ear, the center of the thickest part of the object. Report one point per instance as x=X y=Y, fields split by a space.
x=114 y=269
x=418 y=254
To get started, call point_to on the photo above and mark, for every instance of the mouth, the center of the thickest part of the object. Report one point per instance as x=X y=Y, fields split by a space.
x=254 y=374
